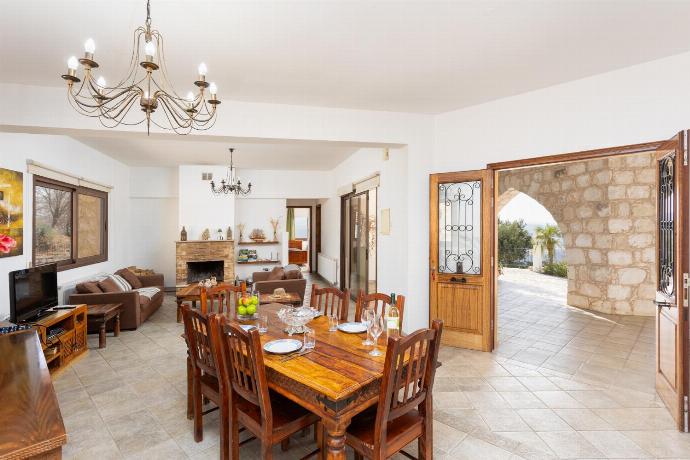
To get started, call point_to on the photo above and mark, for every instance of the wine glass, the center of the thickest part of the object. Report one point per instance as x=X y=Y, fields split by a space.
x=368 y=315
x=376 y=330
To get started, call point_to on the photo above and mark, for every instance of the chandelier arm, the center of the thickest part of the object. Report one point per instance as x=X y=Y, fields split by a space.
x=82 y=100
x=175 y=101
x=124 y=108
x=183 y=122
x=164 y=66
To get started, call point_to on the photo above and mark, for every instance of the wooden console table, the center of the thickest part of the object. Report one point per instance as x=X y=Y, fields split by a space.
x=30 y=418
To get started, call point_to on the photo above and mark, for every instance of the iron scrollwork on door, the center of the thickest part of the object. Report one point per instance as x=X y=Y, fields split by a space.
x=460 y=231
x=667 y=206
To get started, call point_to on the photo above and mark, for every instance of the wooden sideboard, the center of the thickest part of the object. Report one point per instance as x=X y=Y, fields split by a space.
x=30 y=418
x=62 y=349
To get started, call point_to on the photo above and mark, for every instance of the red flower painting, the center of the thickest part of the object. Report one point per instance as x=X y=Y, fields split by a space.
x=7 y=243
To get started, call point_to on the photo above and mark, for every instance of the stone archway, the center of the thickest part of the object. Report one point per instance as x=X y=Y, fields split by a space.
x=605 y=209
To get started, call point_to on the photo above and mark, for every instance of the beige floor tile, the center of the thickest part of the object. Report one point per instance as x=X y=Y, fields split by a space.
x=557 y=399
x=570 y=444
x=613 y=444
x=583 y=419
x=503 y=420
x=472 y=448
x=626 y=419
x=522 y=400
x=446 y=437
x=529 y=438
x=505 y=384
x=538 y=383
x=485 y=399
x=543 y=420
x=662 y=444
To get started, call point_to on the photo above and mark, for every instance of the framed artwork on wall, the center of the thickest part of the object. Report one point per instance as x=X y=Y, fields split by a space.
x=11 y=213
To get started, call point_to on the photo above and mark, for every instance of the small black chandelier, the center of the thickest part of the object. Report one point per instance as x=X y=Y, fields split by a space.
x=231 y=183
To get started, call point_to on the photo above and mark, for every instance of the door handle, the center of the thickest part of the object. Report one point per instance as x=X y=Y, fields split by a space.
x=458 y=280
x=661 y=303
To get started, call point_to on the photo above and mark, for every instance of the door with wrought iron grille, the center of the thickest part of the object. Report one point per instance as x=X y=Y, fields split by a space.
x=460 y=272
x=672 y=270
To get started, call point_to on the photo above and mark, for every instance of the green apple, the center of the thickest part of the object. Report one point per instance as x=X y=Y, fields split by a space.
x=251 y=309
x=242 y=310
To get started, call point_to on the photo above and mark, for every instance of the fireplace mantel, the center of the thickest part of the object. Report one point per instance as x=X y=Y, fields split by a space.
x=204 y=251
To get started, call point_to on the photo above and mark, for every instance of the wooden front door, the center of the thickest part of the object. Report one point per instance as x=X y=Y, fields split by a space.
x=672 y=273
x=461 y=272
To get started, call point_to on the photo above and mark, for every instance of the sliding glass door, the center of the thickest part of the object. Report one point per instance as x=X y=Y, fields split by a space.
x=358 y=237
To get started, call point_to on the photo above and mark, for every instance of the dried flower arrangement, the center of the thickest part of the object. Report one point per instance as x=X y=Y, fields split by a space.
x=241 y=227
x=274 y=224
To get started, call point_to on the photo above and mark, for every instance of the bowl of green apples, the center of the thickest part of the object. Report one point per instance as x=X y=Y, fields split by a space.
x=247 y=306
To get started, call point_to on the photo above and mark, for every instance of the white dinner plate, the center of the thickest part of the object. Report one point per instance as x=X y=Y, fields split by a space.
x=353 y=328
x=246 y=327
x=282 y=346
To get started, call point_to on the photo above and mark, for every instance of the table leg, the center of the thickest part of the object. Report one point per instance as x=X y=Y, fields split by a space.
x=179 y=310
x=101 y=335
x=335 y=438
x=117 y=325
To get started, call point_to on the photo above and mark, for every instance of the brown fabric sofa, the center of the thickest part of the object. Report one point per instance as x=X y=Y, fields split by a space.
x=137 y=308
x=266 y=286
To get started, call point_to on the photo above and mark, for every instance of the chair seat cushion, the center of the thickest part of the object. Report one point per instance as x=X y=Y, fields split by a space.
x=361 y=429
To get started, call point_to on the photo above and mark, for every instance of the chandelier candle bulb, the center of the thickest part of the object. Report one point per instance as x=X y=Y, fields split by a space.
x=101 y=84
x=72 y=65
x=149 y=51
x=213 y=89
x=203 y=70
x=89 y=48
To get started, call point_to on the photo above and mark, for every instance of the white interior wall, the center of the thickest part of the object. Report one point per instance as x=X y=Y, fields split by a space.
x=66 y=154
x=154 y=219
x=257 y=213
x=198 y=207
x=392 y=195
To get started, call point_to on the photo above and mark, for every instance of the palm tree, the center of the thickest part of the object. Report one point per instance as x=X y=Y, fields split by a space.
x=548 y=237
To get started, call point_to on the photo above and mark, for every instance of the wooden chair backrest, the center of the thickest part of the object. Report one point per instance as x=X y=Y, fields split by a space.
x=408 y=377
x=295 y=244
x=243 y=364
x=378 y=302
x=224 y=296
x=330 y=301
x=196 y=329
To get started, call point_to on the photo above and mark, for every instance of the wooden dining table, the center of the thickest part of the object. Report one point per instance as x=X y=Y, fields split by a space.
x=336 y=381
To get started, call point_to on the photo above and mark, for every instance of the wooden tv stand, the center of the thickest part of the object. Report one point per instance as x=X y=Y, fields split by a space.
x=63 y=348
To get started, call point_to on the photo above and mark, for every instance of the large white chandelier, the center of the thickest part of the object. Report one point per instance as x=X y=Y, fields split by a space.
x=146 y=86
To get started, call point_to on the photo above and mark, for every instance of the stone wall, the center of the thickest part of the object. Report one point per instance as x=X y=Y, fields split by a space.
x=606 y=210
x=204 y=251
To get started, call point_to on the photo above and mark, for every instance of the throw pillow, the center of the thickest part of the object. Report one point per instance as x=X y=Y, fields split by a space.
x=276 y=274
x=121 y=282
x=108 y=285
x=131 y=278
x=293 y=275
x=90 y=287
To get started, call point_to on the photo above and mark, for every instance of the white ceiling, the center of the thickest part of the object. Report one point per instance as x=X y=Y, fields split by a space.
x=162 y=150
x=416 y=56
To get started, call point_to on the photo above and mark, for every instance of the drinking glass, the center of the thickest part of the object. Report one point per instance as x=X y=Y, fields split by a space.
x=309 y=340
x=332 y=322
x=368 y=315
x=262 y=324
x=376 y=329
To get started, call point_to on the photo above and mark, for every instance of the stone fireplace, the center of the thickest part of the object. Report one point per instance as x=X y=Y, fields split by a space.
x=197 y=260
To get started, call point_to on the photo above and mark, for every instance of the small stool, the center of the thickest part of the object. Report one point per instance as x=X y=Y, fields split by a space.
x=100 y=314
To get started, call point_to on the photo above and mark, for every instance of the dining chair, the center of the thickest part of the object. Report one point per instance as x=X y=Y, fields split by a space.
x=218 y=295
x=330 y=300
x=269 y=416
x=202 y=374
x=404 y=411
x=379 y=302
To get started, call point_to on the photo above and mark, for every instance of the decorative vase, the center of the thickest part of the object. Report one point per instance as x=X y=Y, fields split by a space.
x=206 y=235
x=228 y=235
x=183 y=234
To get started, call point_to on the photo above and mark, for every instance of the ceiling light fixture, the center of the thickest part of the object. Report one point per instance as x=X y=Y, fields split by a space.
x=112 y=104
x=231 y=183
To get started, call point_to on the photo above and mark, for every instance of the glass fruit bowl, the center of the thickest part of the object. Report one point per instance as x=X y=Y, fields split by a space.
x=295 y=318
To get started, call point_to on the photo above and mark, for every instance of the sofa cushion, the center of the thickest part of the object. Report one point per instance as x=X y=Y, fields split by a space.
x=109 y=285
x=89 y=287
x=276 y=274
x=121 y=282
x=293 y=275
x=131 y=278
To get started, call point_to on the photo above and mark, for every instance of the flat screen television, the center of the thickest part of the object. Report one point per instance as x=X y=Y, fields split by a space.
x=32 y=292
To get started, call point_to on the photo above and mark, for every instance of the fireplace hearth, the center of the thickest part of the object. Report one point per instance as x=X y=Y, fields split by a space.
x=197 y=271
